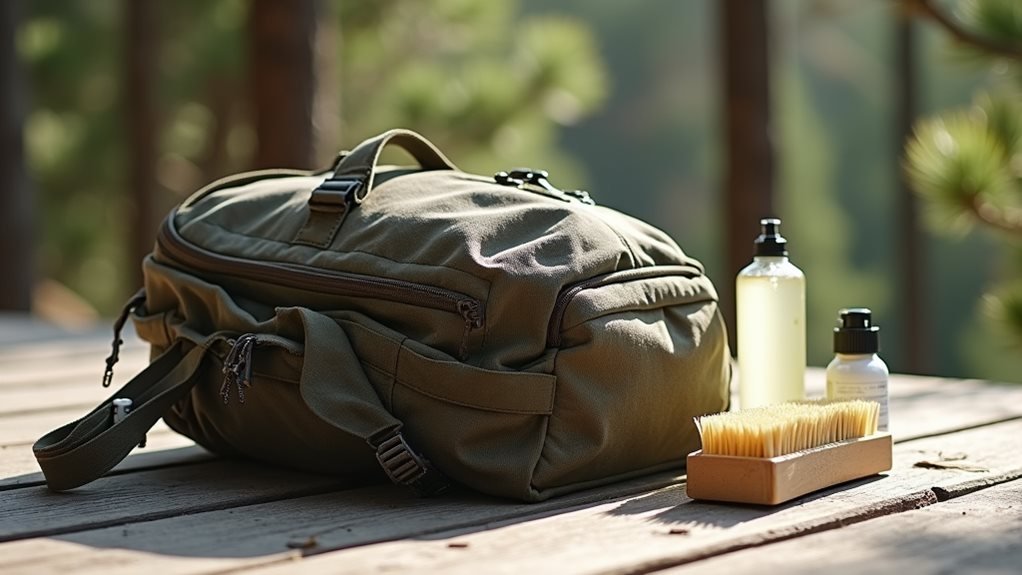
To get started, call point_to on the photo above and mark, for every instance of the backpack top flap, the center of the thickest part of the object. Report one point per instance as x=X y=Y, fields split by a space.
x=499 y=253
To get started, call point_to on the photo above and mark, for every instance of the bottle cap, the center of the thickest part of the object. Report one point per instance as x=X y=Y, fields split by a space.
x=855 y=332
x=770 y=242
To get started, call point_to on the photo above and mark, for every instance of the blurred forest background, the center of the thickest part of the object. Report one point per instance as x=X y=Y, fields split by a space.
x=130 y=105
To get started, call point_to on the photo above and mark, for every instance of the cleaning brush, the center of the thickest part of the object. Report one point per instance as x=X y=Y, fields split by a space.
x=770 y=455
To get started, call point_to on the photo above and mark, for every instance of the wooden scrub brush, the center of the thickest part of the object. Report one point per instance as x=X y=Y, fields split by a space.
x=769 y=455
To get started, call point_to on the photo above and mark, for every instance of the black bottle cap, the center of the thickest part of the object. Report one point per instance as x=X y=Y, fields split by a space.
x=770 y=242
x=856 y=332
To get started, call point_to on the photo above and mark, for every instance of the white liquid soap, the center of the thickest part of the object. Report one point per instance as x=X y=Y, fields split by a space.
x=771 y=315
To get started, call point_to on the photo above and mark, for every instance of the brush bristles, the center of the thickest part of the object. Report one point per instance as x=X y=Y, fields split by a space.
x=786 y=428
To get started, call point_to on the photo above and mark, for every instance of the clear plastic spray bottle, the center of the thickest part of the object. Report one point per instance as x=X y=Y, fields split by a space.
x=771 y=307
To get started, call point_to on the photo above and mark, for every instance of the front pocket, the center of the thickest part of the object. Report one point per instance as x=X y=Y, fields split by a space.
x=483 y=428
x=469 y=386
x=637 y=288
x=637 y=361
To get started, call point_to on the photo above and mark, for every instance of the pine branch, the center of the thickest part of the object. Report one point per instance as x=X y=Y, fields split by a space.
x=1004 y=219
x=962 y=34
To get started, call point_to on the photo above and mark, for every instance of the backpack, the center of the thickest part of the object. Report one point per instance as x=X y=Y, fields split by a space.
x=496 y=332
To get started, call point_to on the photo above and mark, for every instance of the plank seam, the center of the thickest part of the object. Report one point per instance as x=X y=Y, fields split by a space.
x=889 y=507
x=957 y=429
x=39 y=482
x=167 y=513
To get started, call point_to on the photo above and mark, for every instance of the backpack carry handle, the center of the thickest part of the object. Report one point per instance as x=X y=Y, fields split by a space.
x=360 y=164
x=354 y=178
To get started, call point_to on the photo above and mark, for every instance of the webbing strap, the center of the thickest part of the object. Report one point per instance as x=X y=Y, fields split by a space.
x=85 y=449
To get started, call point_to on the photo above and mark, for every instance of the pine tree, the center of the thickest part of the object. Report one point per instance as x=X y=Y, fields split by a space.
x=967 y=163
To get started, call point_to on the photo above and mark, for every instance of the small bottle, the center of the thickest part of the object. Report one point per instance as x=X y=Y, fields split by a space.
x=770 y=294
x=857 y=372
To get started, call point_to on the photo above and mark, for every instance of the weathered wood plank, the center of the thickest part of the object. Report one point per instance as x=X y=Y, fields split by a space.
x=922 y=406
x=665 y=528
x=17 y=329
x=282 y=530
x=67 y=386
x=86 y=370
x=58 y=351
x=976 y=533
x=18 y=467
x=146 y=495
x=589 y=532
x=25 y=428
x=66 y=557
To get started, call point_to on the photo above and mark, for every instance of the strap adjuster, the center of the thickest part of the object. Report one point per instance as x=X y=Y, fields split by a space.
x=405 y=467
x=334 y=195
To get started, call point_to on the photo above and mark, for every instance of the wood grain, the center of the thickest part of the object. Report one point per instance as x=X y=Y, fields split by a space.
x=18 y=467
x=25 y=428
x=284 y=530
x=147 y=495
x=588 y=532
x=978 y=533
x=87 y=369
x=664 y=528
x=922 y=406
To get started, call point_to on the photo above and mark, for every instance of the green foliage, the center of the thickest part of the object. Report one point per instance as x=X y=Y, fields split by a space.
x=962 y=162
x=999 y=20
x=491 y=86
x=72 y=142
x=481 y=81
x=1005 y=306
x=967 y=163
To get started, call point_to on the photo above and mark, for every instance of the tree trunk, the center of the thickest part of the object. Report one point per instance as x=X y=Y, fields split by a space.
x=282 y=42
x=17 y=213
x=140 y=22
x=911 y=255
x=749 y=161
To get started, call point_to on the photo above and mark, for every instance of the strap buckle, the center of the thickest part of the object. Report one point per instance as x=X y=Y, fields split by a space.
x=405 y=467
x=334 y=195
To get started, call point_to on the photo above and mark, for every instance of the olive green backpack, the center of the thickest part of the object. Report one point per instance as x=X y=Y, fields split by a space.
x=491 y=331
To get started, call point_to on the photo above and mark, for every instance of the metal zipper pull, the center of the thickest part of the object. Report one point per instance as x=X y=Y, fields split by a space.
x=135 y=301
x=470 y=310
x=237 y=368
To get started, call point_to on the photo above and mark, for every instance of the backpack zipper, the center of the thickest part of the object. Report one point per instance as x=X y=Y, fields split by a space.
x=237 y=367
x=179 y=250
x=237 y=364
x=564 y=299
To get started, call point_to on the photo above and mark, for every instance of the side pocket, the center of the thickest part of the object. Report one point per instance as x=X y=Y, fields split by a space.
x=638 y=360
x=152 y=328
x=483 y=428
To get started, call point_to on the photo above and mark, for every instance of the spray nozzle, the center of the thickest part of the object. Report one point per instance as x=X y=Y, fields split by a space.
x=770 y=241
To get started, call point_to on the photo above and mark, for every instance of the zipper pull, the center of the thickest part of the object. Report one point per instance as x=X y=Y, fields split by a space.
x=237 y=368
x=470 y=310
x=135 y=301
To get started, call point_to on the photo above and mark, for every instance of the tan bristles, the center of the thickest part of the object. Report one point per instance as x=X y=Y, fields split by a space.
x=786 y=428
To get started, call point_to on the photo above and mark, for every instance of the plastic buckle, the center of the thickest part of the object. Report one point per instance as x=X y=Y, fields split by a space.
x=334 y=195
x=405 y=467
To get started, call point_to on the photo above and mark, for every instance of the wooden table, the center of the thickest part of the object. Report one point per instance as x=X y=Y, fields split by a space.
x=952 y=503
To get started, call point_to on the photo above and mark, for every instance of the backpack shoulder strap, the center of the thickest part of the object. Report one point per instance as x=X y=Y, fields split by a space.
x=83 y=450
